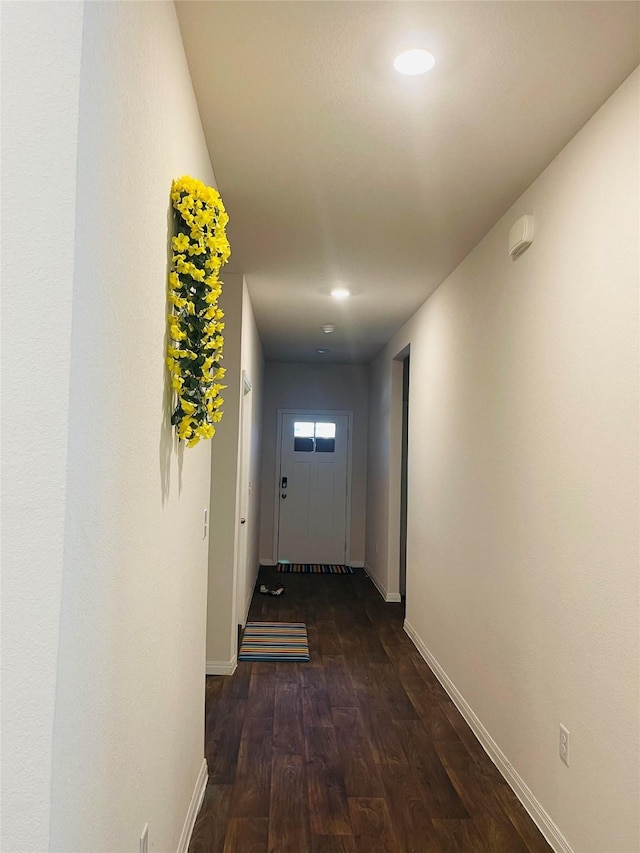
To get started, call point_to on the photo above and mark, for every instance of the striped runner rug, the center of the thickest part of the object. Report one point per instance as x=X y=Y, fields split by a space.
x=315 y=568
x=277 y=641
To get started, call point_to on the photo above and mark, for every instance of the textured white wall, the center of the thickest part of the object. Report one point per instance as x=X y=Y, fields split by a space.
x=125 y=743
x=522 y=565
x=342 y=387
x=41 y=48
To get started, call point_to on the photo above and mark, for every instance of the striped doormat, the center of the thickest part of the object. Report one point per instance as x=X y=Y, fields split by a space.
x=315 y=568
x=277 y=641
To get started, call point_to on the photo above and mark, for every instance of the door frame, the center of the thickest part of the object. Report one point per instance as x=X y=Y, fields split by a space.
x=329 y=413
x=242 y=602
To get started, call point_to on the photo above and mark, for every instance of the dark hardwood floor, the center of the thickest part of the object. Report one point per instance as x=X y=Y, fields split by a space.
x=358 y=751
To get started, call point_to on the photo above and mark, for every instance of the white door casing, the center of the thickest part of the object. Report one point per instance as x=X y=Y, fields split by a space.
x=244 y=493
x=313 y=486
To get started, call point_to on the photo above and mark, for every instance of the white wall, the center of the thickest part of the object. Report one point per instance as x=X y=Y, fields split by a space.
x=40 y=94
x=126 y=738
x=522 y=576
x=242 y=351
x=340 y=387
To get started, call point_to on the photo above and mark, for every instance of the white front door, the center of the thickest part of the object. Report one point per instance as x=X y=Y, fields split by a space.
x=312 y=488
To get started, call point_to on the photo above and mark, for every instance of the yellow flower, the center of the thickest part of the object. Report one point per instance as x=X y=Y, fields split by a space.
x=178 y=301
x=185 y=427
x=193 y=441
x=180 y=243
x=176 y=333
x=216 y=416
x=205 y=431
x=187 y=407
x=177 y=382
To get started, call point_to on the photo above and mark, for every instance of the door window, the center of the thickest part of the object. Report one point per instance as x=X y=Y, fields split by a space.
x=310 y=437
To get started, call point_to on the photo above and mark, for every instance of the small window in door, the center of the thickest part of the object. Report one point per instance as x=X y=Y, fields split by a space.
x=309 y=436
x=303 y=432
x=325 y=434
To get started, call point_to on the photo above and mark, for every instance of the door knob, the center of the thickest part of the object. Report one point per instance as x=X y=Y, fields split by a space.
x=242 y=520
x=283 y=496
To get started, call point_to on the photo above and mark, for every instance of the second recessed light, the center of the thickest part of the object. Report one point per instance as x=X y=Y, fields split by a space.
x=340 y=293
x=413 y=62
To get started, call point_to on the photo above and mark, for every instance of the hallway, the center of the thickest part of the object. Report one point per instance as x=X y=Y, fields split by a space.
x=358 y=751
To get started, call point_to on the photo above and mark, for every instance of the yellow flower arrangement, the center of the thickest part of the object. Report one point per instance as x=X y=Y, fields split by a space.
x=194 y=352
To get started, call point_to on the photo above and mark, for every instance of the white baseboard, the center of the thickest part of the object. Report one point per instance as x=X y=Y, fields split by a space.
x=268 y=562
x=222 y=667
x=356 y=564
x=535 y=809
x=194 y=808
x=389 y=597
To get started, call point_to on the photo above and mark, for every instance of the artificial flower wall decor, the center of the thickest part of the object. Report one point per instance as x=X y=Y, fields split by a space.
x=200 y=248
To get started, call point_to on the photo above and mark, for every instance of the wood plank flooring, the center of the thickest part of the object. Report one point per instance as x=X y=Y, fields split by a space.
x=358 y=751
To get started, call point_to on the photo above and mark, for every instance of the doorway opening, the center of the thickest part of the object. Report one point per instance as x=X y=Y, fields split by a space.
x=403 y=479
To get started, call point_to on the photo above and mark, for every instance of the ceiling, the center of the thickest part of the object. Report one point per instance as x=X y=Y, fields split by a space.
x=335 y=169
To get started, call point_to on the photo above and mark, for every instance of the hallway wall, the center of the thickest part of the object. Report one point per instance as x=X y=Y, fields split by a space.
x=111 y=531
x=242 y=351
x=522 y=564
x=40 y=95
x=340 y=387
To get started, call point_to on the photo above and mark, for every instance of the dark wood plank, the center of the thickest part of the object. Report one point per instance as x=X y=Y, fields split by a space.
x=287 y=722
x=210 y=828
x=441 y=796
x=333 y=844
x=247 y=835
x=339 y=686
x=261 y=694
x=221 y=750
x=329 y=809
x=385 y=741
x=372 y=827
x=316 y=710
x=479 y=796
x=407 y=802
x=517 y=814
x=456 y=836
x=252 y=785
x=361 y=777
x=289 y=811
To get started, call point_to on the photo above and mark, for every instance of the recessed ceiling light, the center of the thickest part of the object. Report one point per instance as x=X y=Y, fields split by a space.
x=328 y=329
x=340 y=293
x=414 y=62
x=322 y=351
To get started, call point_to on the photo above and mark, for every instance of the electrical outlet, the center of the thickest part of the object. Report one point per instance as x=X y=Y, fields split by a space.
x=144 y=839
x=205 y=523
x=564 y=744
